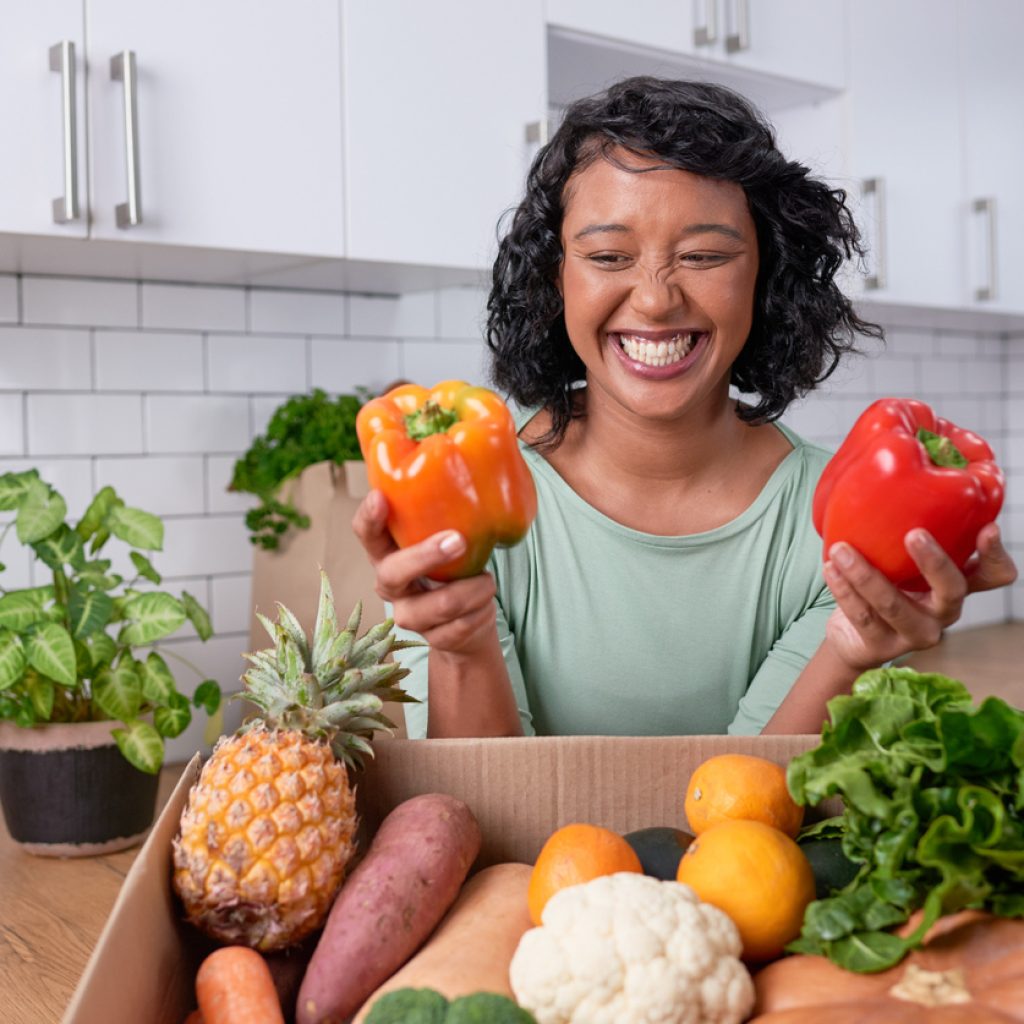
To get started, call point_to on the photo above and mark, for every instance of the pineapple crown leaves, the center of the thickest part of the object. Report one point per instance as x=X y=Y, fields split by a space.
x=332 y=685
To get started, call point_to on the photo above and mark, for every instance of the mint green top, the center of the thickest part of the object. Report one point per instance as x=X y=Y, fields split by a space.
x=610 y=631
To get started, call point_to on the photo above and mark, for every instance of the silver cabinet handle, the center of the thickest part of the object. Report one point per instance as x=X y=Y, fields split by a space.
x=705 y=34
x=62 y=59
x=875 y=187
x=122 y=69
x=988 y=292
x=740 y=39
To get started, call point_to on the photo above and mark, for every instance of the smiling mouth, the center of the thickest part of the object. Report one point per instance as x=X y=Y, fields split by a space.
x=663 y=352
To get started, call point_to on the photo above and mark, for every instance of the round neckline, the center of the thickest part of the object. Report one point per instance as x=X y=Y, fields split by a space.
x=782 y=472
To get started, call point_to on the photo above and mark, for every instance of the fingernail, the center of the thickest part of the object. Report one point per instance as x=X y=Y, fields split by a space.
x=919 y=539
x=842 y=555
x=452 y=543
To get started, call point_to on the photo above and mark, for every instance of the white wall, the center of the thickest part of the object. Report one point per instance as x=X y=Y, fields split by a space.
x=158 y=388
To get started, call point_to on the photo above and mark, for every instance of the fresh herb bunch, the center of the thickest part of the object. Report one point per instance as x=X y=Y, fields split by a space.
x=933 y=793
x=68 y=649
x=304 y=430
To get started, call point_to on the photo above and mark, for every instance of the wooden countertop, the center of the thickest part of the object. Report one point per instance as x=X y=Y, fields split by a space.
x=52 y=911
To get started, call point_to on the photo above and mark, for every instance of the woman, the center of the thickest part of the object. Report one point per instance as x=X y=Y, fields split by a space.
x=672 y=582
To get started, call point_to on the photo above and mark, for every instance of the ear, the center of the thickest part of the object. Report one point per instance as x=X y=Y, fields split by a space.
x=558 y=278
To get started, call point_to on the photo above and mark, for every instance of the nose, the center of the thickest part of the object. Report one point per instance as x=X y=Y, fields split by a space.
x=656 y=296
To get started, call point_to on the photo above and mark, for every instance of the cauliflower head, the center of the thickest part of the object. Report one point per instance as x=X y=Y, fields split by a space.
x=629 y=949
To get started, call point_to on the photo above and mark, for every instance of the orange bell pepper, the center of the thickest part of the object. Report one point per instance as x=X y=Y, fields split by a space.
x=448 y=459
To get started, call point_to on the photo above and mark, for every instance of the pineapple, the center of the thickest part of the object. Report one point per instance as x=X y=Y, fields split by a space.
x=270 y=823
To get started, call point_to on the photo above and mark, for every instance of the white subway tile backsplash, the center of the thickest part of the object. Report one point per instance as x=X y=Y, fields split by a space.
x=406 y=316
x=71 y=478
x=219 y=470
x=262 y=408
x=941 y=377
x=462 y=312
x=984 y=609
x=163 y=485
x=343 y=365
x=231 y=598
x=196 y=423
x=8 y=298
x=1015 y=368
x=250 y=364
x=285 y=312
x=900 y=341
x=428 y=363
x=40 y=358
x=896 y=376
x=12 y=425
x=17 y=560
x=84 y=303
x=136 y=361
x=204 y=545
x=74 y=424
x=193 y=307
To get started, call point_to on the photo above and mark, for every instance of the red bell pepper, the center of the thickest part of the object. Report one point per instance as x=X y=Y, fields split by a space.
x=448 y=459
x=902 y=467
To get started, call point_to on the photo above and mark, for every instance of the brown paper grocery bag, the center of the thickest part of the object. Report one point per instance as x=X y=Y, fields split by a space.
x=329 y=494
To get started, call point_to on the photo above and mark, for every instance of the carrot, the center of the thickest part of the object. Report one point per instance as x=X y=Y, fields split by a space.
x=234 y=986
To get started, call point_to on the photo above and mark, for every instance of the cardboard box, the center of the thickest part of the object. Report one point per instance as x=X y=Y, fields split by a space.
x=520 y=790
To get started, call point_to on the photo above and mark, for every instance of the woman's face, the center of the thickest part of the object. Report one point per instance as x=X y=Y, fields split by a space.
x=658 y=279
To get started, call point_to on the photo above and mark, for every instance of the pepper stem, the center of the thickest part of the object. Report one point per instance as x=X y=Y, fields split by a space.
x=941 y=450
x=430 y=418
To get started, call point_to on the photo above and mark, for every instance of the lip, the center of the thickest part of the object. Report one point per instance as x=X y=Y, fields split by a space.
x=638 y=369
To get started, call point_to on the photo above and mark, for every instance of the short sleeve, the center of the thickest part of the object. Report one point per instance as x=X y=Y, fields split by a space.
x=787 y=658
x=416 y=684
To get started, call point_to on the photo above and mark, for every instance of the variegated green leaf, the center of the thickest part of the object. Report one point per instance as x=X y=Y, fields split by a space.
x=142 y=745
x=60 y=548
x=207 y=696
x=21 y=608
x=41 y=692
x=144 y=567
x=103 y=649
x=117 y=691
x=12 y=658
x=97 y=575
x=89 y=610
x=150 y=617
x=14 y=487
x=197 y=615
x=51 y=651
x=40 y=512
x=173 y=718
x=135 y=527
x=96 y=513
x=157 y=679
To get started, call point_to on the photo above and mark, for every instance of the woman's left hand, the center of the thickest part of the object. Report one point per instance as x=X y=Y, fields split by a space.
x=875 y=621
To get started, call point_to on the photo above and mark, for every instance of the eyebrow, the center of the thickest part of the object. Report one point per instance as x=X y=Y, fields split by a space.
x=692 y=229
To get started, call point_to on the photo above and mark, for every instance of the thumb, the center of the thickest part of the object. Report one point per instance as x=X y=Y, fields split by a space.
x=994 y=566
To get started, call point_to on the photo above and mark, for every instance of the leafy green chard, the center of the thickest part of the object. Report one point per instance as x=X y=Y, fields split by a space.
x=304 y=430
x=68 y=649
x=933 y=794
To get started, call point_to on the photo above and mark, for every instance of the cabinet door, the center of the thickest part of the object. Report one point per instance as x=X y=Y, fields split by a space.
x=993 y=87
x=238 y=123
x=904 y=131
x=803 y=39
x=437 y=153
x=662 y=24
x=33 y=119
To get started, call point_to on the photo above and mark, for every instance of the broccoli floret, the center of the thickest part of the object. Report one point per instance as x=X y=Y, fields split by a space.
x=409 y=1006
x=486 y=1008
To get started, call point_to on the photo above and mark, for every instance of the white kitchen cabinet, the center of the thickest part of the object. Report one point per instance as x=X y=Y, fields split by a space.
x=904 y=137
x=41 y=161
x=992 y=74
x=662 y=24
x=238 y=124
x=436 y=153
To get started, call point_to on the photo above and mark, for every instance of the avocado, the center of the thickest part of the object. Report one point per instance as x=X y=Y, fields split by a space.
x=660 y=849
x=832 y=868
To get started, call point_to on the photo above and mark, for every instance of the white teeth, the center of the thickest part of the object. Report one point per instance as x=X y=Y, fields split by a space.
x=658 y=353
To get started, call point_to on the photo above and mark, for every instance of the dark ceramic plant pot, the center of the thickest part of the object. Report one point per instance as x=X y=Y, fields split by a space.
x=67 y=791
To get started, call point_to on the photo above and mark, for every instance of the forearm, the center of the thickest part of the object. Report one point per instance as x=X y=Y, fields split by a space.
x=803 y=711
x=471 y=694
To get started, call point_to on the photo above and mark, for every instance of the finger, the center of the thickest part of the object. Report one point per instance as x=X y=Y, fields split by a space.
x=993 y=567
x=427 y=610
x=947 y=582
x=852 y=605
x=370 y=525
x=403 y=567
x=464 y=631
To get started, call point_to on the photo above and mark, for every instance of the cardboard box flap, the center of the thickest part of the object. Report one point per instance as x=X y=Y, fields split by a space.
x=141 y=962
x=522 y=789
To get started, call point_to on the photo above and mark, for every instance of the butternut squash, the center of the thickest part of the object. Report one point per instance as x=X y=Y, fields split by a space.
x=473 y=945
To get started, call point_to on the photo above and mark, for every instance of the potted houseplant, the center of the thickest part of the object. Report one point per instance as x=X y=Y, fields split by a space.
x=85 y=708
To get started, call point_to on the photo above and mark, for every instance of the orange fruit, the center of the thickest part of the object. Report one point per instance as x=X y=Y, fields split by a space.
x=575 y=854
x=758 y=876
x=738 y=786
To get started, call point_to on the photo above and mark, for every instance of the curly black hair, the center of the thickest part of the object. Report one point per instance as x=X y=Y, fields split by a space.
x=803 y=324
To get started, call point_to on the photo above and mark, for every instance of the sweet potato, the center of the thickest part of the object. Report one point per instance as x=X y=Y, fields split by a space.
x=473 y=945
x=410 y=876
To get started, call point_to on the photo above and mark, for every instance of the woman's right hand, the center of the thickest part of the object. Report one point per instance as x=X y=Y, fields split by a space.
x=457 y=617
